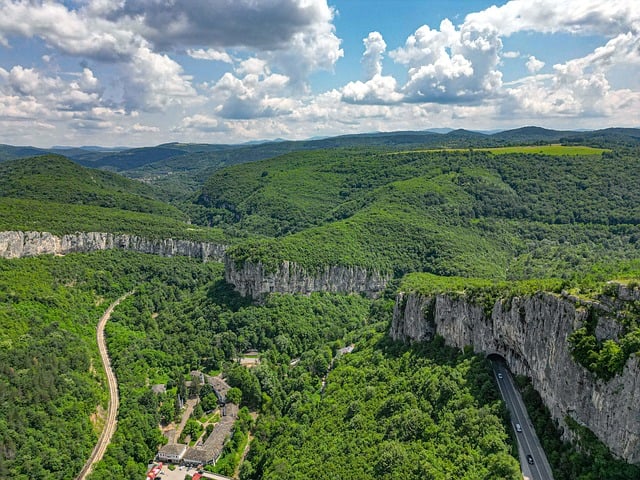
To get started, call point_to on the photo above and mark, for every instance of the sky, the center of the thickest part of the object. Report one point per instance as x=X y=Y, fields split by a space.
x=146 y=72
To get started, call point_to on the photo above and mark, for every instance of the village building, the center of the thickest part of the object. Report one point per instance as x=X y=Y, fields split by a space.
x=172 y=452
x=195 y=456
x=210 y=451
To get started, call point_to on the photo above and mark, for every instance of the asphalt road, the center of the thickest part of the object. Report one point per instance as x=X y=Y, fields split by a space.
x=528 y=443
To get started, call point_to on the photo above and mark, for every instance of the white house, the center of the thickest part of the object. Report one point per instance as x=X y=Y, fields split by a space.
x=172 y=452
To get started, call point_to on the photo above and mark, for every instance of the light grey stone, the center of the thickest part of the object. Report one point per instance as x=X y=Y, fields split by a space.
x=531 y=333
x=15 y=244
x=253 y=280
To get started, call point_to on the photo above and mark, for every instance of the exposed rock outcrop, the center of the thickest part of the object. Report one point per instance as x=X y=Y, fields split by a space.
x=531 y=333
x=254 y=280
x=14 y=244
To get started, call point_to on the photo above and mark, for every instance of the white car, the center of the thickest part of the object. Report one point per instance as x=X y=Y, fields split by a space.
x=518 y=428
x=500 y=376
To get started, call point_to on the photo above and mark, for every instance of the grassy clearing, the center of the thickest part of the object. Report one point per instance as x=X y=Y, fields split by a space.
x=561 y=150
x=547 y=150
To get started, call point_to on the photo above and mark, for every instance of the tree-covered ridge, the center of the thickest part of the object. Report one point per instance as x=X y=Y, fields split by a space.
x=450 y=213
x=60 y=219
x=553 y=149
x=430 y=284
x=57 y=179
x=601 y=279
x=50 y=193
x=179 y=169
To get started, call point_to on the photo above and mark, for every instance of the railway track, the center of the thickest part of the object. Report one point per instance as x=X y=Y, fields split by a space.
x=112 y=412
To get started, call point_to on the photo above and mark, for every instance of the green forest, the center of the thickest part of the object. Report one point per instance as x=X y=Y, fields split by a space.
x=462 y=215
x=507 y=216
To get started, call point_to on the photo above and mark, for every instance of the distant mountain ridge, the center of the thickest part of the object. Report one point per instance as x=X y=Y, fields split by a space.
x=184 y=166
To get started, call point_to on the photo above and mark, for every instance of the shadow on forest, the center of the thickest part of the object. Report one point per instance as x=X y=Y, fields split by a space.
x=479 y=376
x=223 y=294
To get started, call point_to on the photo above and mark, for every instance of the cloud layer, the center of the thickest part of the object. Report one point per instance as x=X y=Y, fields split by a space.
x=133 y=69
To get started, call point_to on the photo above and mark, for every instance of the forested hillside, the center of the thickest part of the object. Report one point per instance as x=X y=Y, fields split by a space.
x=51 y=193
x=53 y=387
x=180 y=169
x=471 y=213
x=388 y=412
x=475 y=219
x=57 y=179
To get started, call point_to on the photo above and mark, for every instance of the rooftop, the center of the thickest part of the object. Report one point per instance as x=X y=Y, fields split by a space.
x=172 y=449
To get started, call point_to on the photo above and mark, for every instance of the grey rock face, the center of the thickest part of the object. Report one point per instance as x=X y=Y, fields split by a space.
x=253 y=280
x=27 y=244
x=531 y=333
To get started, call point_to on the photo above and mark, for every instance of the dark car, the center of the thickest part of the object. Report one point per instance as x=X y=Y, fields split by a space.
x=529 y=459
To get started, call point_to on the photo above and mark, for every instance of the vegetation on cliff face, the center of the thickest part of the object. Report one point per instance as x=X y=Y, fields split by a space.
x=587 y=459
x=607 y=357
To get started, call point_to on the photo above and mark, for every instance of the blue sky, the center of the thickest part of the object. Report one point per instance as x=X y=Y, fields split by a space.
x=144 y=72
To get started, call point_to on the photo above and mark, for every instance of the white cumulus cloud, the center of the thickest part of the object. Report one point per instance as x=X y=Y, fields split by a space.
x=378 y=89
x=201 y=123
x=552 y=16
x=375 y=46
x=451 y=64
x=210 y=54
x=534 y=65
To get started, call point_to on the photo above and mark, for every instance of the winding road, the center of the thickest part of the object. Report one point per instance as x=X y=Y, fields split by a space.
x=112 y=413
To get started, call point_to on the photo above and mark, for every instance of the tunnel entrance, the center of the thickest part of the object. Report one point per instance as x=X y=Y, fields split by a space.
x=496 y=357
x=498 y=363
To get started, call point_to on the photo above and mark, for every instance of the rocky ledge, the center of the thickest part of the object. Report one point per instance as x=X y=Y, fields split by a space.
x=255 y=281
x=14 y=244
x=531 y=333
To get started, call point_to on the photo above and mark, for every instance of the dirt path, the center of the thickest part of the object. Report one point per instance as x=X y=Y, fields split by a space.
x=110 y=424
x=236 y=473
x=186 y=415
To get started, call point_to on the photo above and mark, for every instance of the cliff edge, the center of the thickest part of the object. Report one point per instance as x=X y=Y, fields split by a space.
x=16 y=244
x=254 y=280
x=531 y=333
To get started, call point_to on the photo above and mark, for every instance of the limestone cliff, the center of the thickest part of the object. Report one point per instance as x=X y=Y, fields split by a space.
x=531 y=333
x=253 y=280
x=15 y=244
